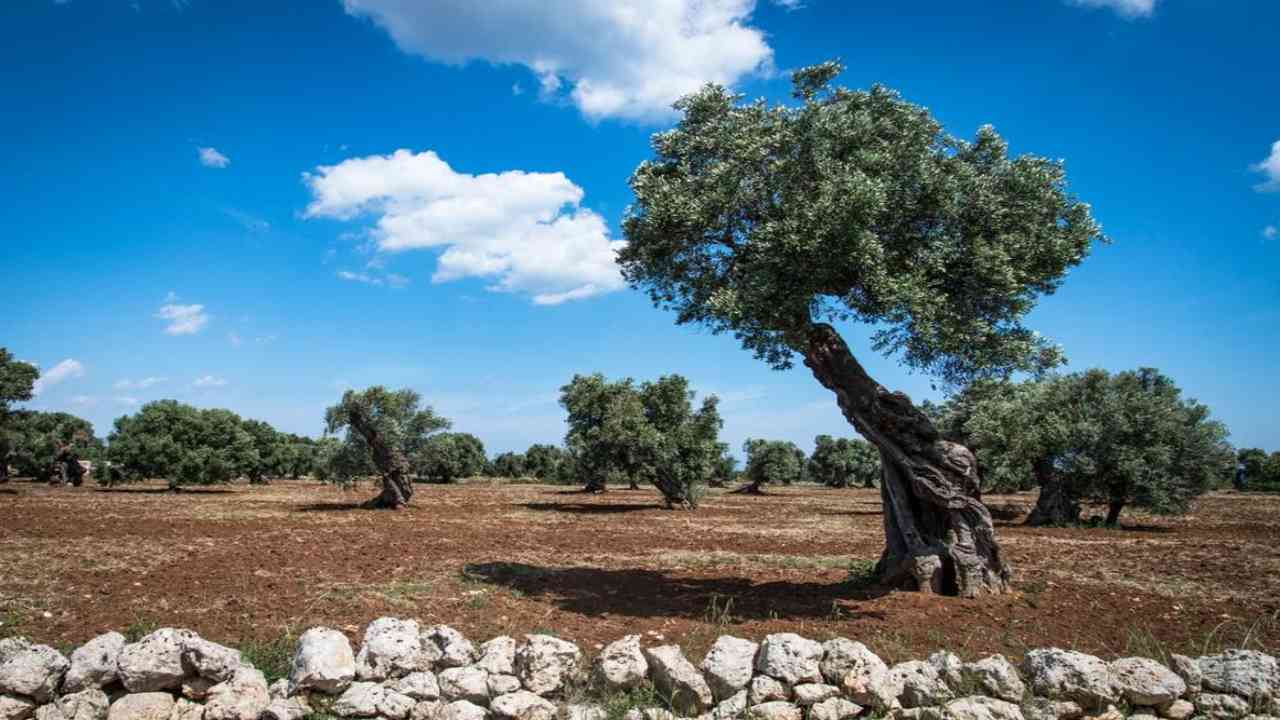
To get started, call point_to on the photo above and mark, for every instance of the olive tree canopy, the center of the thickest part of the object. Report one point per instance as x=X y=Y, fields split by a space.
x=383 y=429
x=840 y=462
x=17 y=382
x=771 y=221
x=771 y=461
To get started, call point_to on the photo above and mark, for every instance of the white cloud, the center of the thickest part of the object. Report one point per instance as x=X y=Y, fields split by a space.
x=131 y=402
x=210 y=157
x=65 y=370
x=390 y=279
x=209 y=381
x=143 y=384
x=620 y=59
x=183 y=319
x=789 y=5
x=1126 y=8
x=1271 y=168
x=524 y=229
x=1270 y=232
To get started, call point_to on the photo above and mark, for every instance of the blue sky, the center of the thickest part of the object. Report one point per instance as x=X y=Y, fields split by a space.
x=256 y=205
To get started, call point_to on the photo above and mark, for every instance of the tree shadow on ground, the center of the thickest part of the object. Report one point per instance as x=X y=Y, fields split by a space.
x=587 y=508
x=165 y=491
x=330 y=507
x=649 y=593
x=8 y=491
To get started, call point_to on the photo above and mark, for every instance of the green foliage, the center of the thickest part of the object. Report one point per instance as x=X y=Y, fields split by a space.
x=34 y=438
x=852 y=206
x=772 y=461
x=17 y=384
x=841 y=462
x=650 y=432
x=1261 y=471
x=549 y=463
x=185 y=445
x=448 y=456
x=397 y=419
x=507 y=465
x=1127 y=438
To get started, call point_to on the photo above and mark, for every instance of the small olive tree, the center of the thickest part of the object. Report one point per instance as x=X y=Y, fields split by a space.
x=180 y=443
x=841 y=462
x=773 y=222
x=642 y=433
x=445 y=457
x=507 y=465
x=382 y=429
x=775 y=462
x=1123 y=439
x=17 y=382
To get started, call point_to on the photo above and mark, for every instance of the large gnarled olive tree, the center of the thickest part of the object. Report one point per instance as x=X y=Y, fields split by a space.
x=772 y=222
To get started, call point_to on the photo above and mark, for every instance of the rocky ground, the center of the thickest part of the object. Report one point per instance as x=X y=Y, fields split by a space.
x=241 y=564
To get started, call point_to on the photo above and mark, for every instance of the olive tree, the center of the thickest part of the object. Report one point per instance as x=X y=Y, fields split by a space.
x=548 y=463
x=771 y=461
x=182 y=444
x=382 y=430
x=49 y=446
x=17 y=383
x=1123 y=439
x=841 y=462
x=507 y=465
x=445 y=457
x=642 y=433
x=776 y=222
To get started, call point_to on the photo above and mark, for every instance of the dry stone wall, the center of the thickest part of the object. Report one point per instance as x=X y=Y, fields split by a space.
x=402 y=671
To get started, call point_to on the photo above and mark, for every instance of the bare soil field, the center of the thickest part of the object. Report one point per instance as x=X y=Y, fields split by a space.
x=251 y=564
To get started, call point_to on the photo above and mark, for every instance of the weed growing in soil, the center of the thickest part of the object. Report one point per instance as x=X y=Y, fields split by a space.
x=273 y=657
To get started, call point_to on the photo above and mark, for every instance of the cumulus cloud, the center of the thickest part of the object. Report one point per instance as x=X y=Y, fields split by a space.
x=621 y=59
x=63 y=371
x=523 y=229
x=183 y=319
x=210 y=157
x=209 y=381
x=1125 y=8
x=389 y=279
x=141 y=384
x=1271 y=168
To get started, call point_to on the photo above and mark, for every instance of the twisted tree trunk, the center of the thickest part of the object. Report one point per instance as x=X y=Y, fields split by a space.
x=1055 y=506
x=397 y=489
x=938 y=534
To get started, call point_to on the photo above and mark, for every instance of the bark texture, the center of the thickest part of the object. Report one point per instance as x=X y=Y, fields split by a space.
x=397 y=489
x=1055 y=506
x=938 y=535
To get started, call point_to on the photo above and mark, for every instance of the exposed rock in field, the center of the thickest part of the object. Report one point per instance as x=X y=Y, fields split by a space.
x=392 y=648
x=1221 y=706
x=523 y=705
x=243 y=696
x=10 y=646
x=544 y=663
x=420 y=685
x=210 y=660
x=835 y=708
x=1189 y=670
x=790 y=658
x=1246 y=673
x=994 y=675
x=93 y=665
x=776 y=710
x=461 y=710
x=154 y=662
x=369 y=699
x=323 y=661
x=921 y=684
x=765 y=689
x=867 y=680
x=184 y=709
x=839 y=656
x=729 y=665
x=980 y=707
x=1147 y=682
x=453 y=649
x=498 y=656
x=464 y=683
x=34 y=671
x=142 y=706
x=426 y=710
x=1067 y=675
x=90 y=704
x=811 y=693
x=677 y=679
x=286 y=709
x=731 y=708
x=621 y=665
x=584 y=712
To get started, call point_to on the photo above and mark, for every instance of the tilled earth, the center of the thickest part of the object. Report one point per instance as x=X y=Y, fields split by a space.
x=257 y=563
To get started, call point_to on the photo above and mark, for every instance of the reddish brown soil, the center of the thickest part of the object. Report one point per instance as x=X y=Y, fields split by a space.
x=255 y=563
